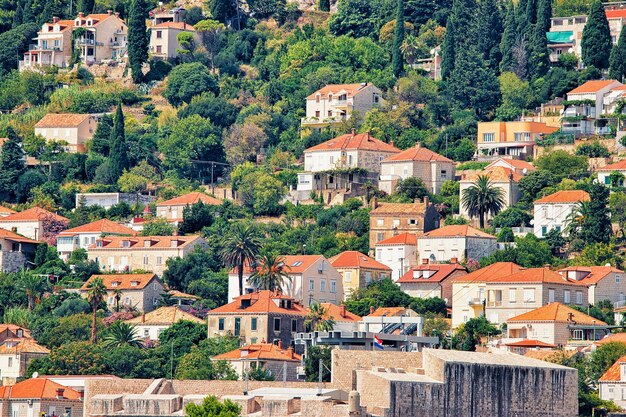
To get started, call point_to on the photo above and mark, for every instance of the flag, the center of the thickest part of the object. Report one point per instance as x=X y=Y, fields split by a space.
x=378 y=343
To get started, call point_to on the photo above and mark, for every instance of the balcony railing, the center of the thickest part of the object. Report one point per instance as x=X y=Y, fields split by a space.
x=494 y=303
x=475 y=302
x=89 y=42
x=34 y=47
x=619 y=304
x=318 y=120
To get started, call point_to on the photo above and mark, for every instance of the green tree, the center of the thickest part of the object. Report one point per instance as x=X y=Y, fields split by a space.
x=101 y=141
x=482 y=198
x=212 y=407
x=516 y=96
x=598 y=254
x=96 y=291
x=118 y=154
x=412 y=187
x=34 y=87
x=469 y=334
x=489 y=32
x=210 y=32
x=196 y=217
x=397 y=61
x=222 y=10
x=12 y=164
x=85 y=6
x=188 y=80
x=511 y=217
x=157 y=227
x=74 y=358
x=323 y=5
x=460 y=23
x=121 y=334
x=318 y=319
x=593 y=150
x=312 y=360
x=556 y=241
x=596 y=42
x=381 y=293
x=597 y=225
x=270 y=272
x=562 y=164
x=617 y=208
x=197 y=364
x=137 y=38
x=617 y=60
x=32 y=285
x=507 y=43
x=241 y=247
x=604 y=357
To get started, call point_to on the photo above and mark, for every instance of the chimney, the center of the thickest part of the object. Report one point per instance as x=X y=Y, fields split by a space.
x=143 y=317
x=418 y=145
x=426 y=200
x=454 y=260
x=55 y=19
x=391 y=143
x=374 y=202
x=353 y=132
x=81 y=14
x=117 y=14
x=109 y=12
x=290 y=352
x=60 y=392
x=372 y=310
x=424 y=261
x=343 y=310
x=81 y=393
x=279 y=344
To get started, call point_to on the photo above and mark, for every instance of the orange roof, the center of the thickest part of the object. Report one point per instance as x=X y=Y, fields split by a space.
x=440 y=273
x=594 y=274
x=354 y=141
x=515 y=163
x=191 y=199
x=491 y=273
x=19 y=345
x=388 y=312
x=615 y=14
x=63 y=24
x=164 y=316
x=495 y=173
x=261 y=302
x=354 y=259
x=417 y=153
x=4 y=209
x=37 y=388
x=31 y=215
x=456 y=231
x=139 y=242
x=260 y=351
x=537 y=275
x=401 y=239
x=614 y=373
x=559 y=313
x=104 y=226
x=397 y=208
x=121 y=281
x=175 y=25
x=617 y=166
x=335 y=89
x=339 y=313
x=592 y=86
x=294 y=264
x=529 y=343
x=612 y=338
x=62 y=120
x=565 y=196
x=9 y=235
x=180 y=294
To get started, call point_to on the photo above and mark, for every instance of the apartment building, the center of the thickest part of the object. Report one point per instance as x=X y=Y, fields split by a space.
x=311 y=279
x=82 y=237
x=514 y=140
x=431 y=280
x=172 y=209
x=416 y=162
x=17 y=349
x=553 y=211
x=390 y=219
x=52 y=46
x=150 y=325
x=584 y=109
x=137 y=291
x=31 y=223
x=164 y=38
x=398 y=252
x=146 y=253
x=453 y=243
x=358 y=270
x=602 y=282
x=73 y=130
x=335 y=104
x=105 y=37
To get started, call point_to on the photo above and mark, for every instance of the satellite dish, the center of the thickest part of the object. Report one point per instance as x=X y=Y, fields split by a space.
x=607 y=264
x=35 y=374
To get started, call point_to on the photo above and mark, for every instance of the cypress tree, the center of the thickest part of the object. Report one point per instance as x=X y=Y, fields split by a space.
x=618 y=58
x=538 y=52
x=508 y=39
x=118 y=154
x=323 y=5
x=521 y=17
x=544 y=13
x=137 y=39
x=596 y=226
x=18 y=16
x=596 y=42
x=85 y=6
x=460 y=23
x=11 y=164
x=27 y=14
x=531 y=13
x=397 y=61
x=489 y=32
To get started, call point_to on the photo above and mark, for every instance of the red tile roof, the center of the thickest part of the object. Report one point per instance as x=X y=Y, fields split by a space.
x=495 y=173
x=457 y=231
x=62 y=120
x=294 y=264
x=536 y=275
x=615 y=14
x=165 y=316
x=617 y=166
x=401 y=239
x=191 y=199
x=417 y=153
x=335 y=89
x=353 y=141
x=21 y=345
x=31 y=215
x=515 y=163
x=104 y=226
x=5 y=210
x=388 y=312
x=399 y=208
x=529 y=343
x=261 y=351
x=122 y=281
x=38 y=389
x=565 y=196
x=174 y=25
x=491 y=273
x=612 y=338
x=138 y=242
x=354 y=259
x=556 y=312
x=439 y=273
x=339 y=313
x=261 y=302
x=594 y=273
x=9 y=235
x=614 y=373
x=592 y=86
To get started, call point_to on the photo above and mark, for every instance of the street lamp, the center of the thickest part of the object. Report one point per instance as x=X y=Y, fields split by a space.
x=304 y=248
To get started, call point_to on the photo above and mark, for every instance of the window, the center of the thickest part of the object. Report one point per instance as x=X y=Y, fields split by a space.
x=237 y=326
x=489 y=137
x=159 y=49
x=349 y=160
x=126 y=244
x=618 y=279
x=347 y=276
x=512 y=293
x=311 y=285
x=566 y=297
x=544 y=231
x=579 y=297
x=10 y=361
x=330 y=113
x=380 y=236
x=253 y=324
x=551 y=295
x=529 y=295
x=380 y=222
x=253 y=340
x=145 y=259
x=368 y=277
x=159 y=260
x=155 y=301
x=330 y=97
x=277 y=325
x=146 y=333
x=317 y=113
x=220 y=324
x=159 y=34
x=333 y=286
x=317 y=98
x=323 y=285
x=294 y=325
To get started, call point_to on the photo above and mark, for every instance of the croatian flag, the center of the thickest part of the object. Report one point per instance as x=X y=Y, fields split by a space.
x=378 y=343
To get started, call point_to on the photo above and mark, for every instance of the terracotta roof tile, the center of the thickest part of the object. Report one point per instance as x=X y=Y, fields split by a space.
x=123 y=281
x=352 y=141
x=529 y=343
x=594 y=274
x=38 y=388
x=180 y=294
x=592 y=86
x=456 y=231
x=294 y=264
x=174 y=25
x=22 y=345
x=612 y=338
x=339 y=313
x=164 y=316
x=9 y=235
x=396 y=208
x=536 y=275
x=261 y=351
x=491 y=273
x=549 y=355
x=261 y=302
x=617 y=166
x=388 y=312
x=191 y=199
x=354 y=259
x=62 y=120
x=556 y=312
x=496 y=174
x=31 y=215
x=335 y=89
x=616 y=14
x=138 y=242
x=564 y=196
x=417 y=153
x=401 y=239
x=439 y=273
x=515 y=163
x=614 y=373
x=6 y=210
x=104 y=226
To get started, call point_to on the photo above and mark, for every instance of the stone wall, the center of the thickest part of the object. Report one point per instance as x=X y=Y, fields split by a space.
x=12 y=261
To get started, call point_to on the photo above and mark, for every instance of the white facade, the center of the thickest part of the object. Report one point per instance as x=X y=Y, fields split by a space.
x=30 y=229
x=399 y=257
x=68 y=244
x=443 y=249
x=550 y=216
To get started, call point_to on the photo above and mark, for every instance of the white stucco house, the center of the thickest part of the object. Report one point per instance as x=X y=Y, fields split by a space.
x=150 y=325
x=455 y=243
x=604 y=173
x=82 y=236
x=552 y=211
x=398 y=252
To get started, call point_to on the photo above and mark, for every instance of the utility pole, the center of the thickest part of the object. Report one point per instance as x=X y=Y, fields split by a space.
x=319 y=378
x=284 y=374
x=245 y=386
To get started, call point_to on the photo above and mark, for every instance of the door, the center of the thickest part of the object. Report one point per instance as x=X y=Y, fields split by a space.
x=237 y=326
x=29 y=412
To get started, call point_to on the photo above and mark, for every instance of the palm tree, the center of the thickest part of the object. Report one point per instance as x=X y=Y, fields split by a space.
x=117 y=294
x=241 y=246
x=271 y=274
x=575 y=220
x=318 y=318
x=96 y=292
x=483 y=198
x=32 y=285
x=121 y=334
x=167 y=300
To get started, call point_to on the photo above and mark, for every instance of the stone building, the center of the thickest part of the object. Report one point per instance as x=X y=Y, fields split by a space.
x=150 y=325
x=172 y=209
x=357 y=270
x=139 y=291
x=38 y=397
x=83 y=236
x=15 y=251
x=391 y=219
x=281 y=363
x=17 y=349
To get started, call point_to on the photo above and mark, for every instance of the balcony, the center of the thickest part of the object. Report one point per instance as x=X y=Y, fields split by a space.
x=619 y=305
x=89 y=42
x=317 y=121
x=476 y=302
x=43 y=48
